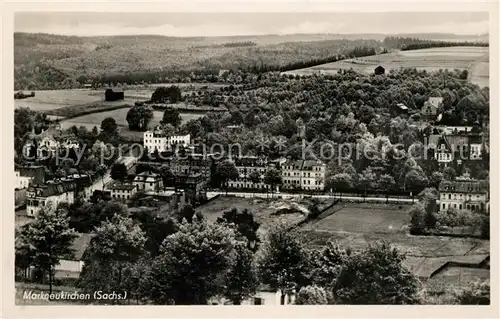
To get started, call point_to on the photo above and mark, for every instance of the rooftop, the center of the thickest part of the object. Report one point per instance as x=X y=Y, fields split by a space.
x=53 y=188
x=80 y=245
x=465 y=186
x=121 y=186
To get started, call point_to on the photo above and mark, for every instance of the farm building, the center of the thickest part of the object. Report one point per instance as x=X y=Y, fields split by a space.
x=114 y=94
x=431 y=107
x=379 y=70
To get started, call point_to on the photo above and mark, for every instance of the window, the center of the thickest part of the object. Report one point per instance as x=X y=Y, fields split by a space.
x=444 y=206
x=449 y=196
x=460 y=206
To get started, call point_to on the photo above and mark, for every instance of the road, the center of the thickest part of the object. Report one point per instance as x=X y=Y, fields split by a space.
x=288 y=195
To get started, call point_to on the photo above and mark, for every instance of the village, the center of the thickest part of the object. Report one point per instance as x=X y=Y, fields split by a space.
x=343 y=171
x=144 y=188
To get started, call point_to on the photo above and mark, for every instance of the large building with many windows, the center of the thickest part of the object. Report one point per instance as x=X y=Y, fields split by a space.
x=156 y=140
x=304 y=175
x=463 y=193
x=246 y=166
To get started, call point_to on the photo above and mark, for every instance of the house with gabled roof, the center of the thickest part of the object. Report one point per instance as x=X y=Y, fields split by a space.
x=49 y=141
x=122 y=191
x=431 y=107
x=148 y=181
x=51 y=193
x=71 y=266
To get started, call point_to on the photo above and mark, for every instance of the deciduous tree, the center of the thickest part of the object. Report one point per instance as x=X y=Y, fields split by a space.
x=193 y=264
x=49 y=239
x=282 y=261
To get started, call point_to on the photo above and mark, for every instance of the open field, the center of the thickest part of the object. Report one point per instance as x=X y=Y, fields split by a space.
x=120 y=115
x=53 y=99
x=357 y=225
x=265 y=211
x=50 y=100
x=473 y=59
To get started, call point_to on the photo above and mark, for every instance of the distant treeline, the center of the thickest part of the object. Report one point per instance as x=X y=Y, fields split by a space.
x=405 y=43
x=228 y=45
x=354 y=53
x=433 y=44
x=211 y=75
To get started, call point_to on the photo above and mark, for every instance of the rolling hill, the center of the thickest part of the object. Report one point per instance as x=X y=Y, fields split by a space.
x=45 y=61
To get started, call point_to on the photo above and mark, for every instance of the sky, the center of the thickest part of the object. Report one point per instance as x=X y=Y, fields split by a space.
x=244 y=23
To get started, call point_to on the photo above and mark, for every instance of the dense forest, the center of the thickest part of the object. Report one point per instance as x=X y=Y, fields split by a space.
x=404 y=43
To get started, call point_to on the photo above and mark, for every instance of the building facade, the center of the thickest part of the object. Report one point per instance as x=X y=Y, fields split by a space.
x=246 y=166
x=54 y=193
x=464 y=193
x=22 y=182
x=462 y=146
x=304 y=175
x=155 y=140
x=148 y=182
x=122 y=191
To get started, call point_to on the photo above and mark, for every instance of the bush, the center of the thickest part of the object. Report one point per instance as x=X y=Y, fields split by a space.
x=457 y=218
x=311 y=295
x=478 y=293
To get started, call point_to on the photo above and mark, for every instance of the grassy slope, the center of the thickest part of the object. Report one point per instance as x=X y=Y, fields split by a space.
x=472 y=58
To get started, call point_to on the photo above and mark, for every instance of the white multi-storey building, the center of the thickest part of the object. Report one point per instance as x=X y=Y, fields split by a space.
x=22 y=182
x=155 y=140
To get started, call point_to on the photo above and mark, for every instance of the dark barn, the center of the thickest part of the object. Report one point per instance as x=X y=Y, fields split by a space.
x=379 y=70
x=114 y=94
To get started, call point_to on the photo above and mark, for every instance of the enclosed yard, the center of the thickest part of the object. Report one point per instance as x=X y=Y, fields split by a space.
x=473 y=59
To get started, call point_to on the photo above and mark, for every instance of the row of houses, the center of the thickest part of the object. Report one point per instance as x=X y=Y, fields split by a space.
x=455 y=145
x=48 y=142
x=57 y=191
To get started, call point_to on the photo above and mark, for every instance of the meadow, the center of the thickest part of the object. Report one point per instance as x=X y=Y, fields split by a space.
x=474 y=59
x=120 y=115
x=356 y=225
